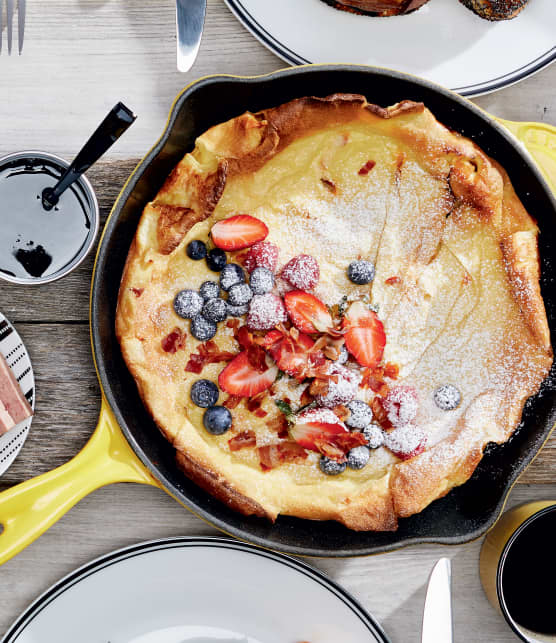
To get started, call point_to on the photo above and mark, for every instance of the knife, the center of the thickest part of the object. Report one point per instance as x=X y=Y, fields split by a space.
x=190 y=19
x=437 y=617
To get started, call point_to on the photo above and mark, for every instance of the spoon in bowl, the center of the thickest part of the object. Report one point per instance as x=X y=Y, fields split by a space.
x=117 y=121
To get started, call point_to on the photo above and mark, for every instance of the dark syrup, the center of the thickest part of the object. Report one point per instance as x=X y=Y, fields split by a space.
x=528 y=575
x=35 y=242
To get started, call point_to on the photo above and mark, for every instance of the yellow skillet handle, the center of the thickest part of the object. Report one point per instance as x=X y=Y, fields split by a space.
x=28 y=509
x=540 y=141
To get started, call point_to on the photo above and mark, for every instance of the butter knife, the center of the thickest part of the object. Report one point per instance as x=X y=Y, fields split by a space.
x=190 y=19
x=437 y=617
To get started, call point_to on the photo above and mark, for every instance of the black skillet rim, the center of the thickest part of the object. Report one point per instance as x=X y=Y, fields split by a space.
x=206 y=515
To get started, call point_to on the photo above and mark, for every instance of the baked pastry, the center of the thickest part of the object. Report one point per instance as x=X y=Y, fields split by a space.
x=495 y=9
x=368 y=318
x=378 y=7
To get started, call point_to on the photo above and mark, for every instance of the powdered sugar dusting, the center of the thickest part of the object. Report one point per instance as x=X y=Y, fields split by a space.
x=342 y=386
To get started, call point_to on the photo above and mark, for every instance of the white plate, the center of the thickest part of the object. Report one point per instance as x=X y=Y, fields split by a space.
x=195 y=590
x=18 y=360
x=443 y=41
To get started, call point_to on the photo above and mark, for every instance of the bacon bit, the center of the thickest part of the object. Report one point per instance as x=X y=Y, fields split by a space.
x=232 y=401
x=207 y=353
x=306 y=397
x=330 y=450
x=365 y=169
x=272 y=455
x=392 y=280
x=336 y=332
x=347 y=441
x=330 y=185
x=391 y=370
x=380 y=413
x=137 y=291
x=319 y=387
x=244 y=337
x=466 y=279
x=257 y=358
x=341 y=411
x=242 y=441
x=254 y=405
x=279 y=424
x=174 y=341
x=233 y=323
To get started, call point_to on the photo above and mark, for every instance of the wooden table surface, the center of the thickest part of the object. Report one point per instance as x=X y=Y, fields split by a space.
x=80 y=57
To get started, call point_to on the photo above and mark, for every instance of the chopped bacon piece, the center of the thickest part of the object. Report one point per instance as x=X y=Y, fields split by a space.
x=366 y=168
x=244 y=337
x=392 y=280
x=242 y=440
x=347 y=441
x=342 y=412
x=279 y=423
x=272 y=455
x=330 y=185
x=137 y=291
x=233 y=323
x=207 y=353
x=254 y=405
x=174 y=341
x=391 y=370
x=232 y=401
x=306 y=397
x=379 y=413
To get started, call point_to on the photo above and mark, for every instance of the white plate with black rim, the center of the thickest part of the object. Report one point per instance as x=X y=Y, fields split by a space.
x=13 y=349
x=195 y=590
x=442 y=41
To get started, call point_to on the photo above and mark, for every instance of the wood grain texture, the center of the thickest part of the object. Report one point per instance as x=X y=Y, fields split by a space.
x=93 y=53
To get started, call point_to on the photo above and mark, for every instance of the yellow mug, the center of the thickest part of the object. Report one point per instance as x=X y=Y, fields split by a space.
x=500 y=567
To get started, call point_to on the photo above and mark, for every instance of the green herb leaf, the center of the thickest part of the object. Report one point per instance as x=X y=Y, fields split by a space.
x=286 y=409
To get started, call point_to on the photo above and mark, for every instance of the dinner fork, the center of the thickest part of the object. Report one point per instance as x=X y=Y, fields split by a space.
x=10 y=5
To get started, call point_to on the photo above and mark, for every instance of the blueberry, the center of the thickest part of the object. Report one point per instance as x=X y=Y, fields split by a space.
x=209 y=290
x=196 y=250
x=188 y=303
x=447 y=397
x=361 y=272
x=231 y=275
x=217 y=420
x=237 y=311
x=374 y=436
x=216 y=259
x=204 y=393
x=331 y=467
x=261 y=281
x=358 y=457
x=215 y=310
x=239 y=295
x=202 y=329
x=360 y=414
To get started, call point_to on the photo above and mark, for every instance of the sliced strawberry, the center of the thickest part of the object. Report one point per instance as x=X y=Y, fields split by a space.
x=291 y=355
x=317 y=430
x=307 y=313
x=263 y=254
x=365 y=337
x=237 y=232
x=302 y=272
x=241 y=378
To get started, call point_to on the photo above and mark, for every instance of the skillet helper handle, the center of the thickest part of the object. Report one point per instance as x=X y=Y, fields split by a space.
x=540 y=141
x=28 y=509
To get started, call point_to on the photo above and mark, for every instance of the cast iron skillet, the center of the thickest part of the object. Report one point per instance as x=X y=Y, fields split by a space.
x=466 y=512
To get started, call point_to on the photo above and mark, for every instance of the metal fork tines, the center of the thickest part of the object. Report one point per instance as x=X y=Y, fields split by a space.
x=10 y=5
